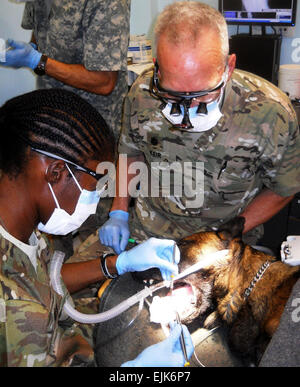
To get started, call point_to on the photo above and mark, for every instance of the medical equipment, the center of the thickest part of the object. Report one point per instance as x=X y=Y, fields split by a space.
x=200 y=120
x=130 y=240
x=55 y=278
x=173 y=261
x=209 y=259
x=116 y=341
x=182 y=342
x=139 y=49
x=290 y=250
x=185 y=99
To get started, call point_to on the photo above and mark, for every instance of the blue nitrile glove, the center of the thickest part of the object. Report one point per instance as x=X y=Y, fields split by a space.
x=33 y=45
x=167 y=353
x=152 y=253
x=115 y=232
x=21 y=55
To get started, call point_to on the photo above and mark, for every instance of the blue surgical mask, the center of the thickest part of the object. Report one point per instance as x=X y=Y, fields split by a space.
x=62 y=223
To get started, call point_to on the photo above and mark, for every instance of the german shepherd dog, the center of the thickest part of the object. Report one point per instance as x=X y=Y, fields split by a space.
x=248 y=290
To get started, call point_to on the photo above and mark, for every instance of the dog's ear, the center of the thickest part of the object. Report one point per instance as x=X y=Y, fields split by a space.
x=232 y=229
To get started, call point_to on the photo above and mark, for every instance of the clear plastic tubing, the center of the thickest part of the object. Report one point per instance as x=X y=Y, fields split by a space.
x=55 y=278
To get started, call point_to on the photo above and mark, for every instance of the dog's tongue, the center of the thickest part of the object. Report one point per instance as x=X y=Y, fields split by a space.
x=182 y=290
x=163 y=309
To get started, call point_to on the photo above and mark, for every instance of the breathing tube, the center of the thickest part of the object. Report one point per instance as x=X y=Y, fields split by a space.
x=55 y=278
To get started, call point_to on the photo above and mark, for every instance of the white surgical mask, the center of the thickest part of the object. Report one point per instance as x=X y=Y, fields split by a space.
x=62 y=223
x=200 y=122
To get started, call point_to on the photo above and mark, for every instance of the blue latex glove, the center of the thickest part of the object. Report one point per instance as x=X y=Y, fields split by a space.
x=115 y=232
x=167 y=353
x=33 y=45
x=152 y=253
x=21 y=55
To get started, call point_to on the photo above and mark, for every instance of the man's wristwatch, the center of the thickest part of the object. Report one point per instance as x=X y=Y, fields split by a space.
x=41 y=67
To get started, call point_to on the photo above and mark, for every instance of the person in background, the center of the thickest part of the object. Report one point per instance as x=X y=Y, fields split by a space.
x=195 y=107
x=80 y=46
x=52 y=141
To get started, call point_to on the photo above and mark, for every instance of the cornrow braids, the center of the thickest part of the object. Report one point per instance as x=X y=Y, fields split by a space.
x=54 y=120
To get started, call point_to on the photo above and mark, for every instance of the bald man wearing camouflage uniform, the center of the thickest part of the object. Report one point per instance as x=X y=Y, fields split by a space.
x=85 y=44
x=246 y=135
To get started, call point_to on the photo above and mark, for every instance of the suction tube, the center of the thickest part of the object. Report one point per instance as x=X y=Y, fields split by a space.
x=55 y=278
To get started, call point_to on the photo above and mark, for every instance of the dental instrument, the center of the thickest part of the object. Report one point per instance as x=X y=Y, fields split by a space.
x=55 y=279
x=182 y=342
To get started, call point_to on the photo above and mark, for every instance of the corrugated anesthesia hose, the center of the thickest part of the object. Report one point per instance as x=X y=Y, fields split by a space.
x=55 y=278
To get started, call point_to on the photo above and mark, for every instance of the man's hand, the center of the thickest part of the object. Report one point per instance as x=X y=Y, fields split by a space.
x=21 y=54
x=115 y=232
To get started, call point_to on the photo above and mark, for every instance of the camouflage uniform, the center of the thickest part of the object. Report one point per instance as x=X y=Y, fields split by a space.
x=256 y=143
x=33 y=329
x=94 y=33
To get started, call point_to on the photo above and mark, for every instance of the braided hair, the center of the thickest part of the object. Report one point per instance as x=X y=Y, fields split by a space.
x=56 y=121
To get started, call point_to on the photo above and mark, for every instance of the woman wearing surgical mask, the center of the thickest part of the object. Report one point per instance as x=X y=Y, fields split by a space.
x=51 y=144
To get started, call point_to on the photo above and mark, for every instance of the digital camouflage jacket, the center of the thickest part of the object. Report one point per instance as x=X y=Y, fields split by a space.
x=94 y=33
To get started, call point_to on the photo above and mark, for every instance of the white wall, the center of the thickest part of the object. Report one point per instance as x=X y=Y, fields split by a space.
x=13 y=82
x=143 y=14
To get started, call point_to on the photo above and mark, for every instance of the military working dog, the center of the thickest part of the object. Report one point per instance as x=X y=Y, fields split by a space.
x=248 y=289
x=243 y=293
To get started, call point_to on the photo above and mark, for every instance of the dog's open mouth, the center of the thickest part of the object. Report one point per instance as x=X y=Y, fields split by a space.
x=181 y=300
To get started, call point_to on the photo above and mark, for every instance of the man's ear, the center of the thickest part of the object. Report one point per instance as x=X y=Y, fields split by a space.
x=231 y=64
x=55 y=171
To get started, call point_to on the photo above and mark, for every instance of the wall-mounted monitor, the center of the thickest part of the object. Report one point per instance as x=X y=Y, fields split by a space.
x=262 y=12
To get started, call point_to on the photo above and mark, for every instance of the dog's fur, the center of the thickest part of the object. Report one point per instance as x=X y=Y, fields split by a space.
x=251 y=322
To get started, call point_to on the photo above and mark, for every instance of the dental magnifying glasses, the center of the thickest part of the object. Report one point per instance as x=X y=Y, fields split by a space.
x=185 y=99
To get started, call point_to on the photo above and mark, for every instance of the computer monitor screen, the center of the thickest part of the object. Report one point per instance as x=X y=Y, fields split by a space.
x=263 y=12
